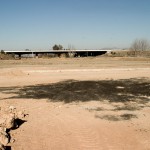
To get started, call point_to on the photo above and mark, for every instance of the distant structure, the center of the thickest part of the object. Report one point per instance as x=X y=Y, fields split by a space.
x=74 y=53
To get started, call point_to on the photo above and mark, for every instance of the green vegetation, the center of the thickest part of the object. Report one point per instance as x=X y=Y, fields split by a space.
x=57 y=47
x=2 y=52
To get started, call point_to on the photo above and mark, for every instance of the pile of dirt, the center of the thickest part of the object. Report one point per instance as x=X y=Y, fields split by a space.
x=10 y=119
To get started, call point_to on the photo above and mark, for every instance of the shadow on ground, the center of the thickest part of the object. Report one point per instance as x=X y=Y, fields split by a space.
x=124 y=91
x=117 y=117
x=72 y=90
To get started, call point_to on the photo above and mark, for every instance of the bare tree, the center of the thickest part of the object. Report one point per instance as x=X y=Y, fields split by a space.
x=60 y=47
x=140 y=45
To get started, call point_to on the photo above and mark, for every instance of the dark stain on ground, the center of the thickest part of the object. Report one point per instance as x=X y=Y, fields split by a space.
x=72 y=90
x=117 y=118
x=127 y=90
x=127 y=107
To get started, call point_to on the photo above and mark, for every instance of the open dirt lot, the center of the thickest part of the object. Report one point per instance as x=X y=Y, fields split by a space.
x=78 y=104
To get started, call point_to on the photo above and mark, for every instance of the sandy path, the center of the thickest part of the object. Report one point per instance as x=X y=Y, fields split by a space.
x=31 y=76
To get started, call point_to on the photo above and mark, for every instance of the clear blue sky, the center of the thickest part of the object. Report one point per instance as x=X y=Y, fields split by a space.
x=39 y=24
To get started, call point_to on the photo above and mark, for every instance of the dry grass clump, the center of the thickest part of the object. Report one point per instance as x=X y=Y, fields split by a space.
x=129 y=53
x=6 y=56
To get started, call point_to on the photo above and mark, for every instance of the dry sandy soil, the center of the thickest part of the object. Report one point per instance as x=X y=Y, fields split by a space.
x=78 y=104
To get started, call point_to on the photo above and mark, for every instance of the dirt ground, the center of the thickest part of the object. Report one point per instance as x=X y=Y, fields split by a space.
x=78 y=104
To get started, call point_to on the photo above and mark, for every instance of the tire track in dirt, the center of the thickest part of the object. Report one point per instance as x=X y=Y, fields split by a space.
x=66 y=130
x=81 y=131
x=55 y=126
